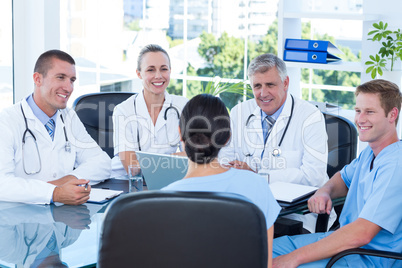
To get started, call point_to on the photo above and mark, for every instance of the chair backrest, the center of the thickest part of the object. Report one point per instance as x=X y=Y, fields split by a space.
x=183 y=229
x=95 y=111
x=342 y=149
x=342 y=142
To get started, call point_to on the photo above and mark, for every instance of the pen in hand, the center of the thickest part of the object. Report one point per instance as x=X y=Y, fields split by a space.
x=84 y=185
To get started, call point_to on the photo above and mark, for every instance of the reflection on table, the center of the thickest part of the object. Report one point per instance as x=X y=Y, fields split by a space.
x=45 y=235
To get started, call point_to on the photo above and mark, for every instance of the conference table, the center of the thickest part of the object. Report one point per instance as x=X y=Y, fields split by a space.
x=60 y=235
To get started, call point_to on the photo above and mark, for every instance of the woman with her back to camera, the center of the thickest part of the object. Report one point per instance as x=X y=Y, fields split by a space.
x=205 y=129
x=149 y=120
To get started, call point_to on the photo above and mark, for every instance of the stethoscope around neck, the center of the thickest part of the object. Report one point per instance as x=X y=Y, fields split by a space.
x=276 y=152
x=165 y=117
x=67 y=146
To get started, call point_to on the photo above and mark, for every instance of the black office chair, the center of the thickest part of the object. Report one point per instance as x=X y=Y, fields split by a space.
x=367 y=252
x=183 y=229
x=95 y=111
x=342 y=149
x=342 y=142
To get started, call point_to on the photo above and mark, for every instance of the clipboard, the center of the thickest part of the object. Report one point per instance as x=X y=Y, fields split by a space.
x=100 y=196
x=291 y=193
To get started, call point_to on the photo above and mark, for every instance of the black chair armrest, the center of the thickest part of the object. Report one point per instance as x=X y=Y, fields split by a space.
x=362 y=251
x=322 y=223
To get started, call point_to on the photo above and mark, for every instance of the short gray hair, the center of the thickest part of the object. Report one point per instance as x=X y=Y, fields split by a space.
x=265 y=62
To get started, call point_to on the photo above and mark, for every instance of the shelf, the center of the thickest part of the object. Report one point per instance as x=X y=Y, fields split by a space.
x=337 y=66
x=332 y=15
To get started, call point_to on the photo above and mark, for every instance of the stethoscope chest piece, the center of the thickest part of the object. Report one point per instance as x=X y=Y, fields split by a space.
x=276 y=152
x=67 y=147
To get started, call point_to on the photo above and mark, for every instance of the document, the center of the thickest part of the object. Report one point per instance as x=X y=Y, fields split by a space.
x=290 y=192
x=102 y=195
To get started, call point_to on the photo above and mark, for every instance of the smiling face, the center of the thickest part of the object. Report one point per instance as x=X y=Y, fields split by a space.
x=269 y=90
x=155 y=73
x=53 y=90
x=374 y=126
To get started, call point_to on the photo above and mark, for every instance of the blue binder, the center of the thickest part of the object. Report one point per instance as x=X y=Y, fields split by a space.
x=314 y=51
x=312 y=45
x=309 y=56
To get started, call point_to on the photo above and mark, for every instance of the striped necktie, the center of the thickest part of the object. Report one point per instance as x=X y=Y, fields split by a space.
x=270 y=123
x=50 y=128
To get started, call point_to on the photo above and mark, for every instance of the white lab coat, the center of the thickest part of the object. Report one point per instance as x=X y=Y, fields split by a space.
x=304 y=149
x=131 y=119
x=85 y=161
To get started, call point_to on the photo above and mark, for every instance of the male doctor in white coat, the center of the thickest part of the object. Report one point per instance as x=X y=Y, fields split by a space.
x=290 y=145
x=46 y=155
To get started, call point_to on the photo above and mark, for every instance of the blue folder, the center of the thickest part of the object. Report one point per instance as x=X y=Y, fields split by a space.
x=312 y=45
x=309 y=56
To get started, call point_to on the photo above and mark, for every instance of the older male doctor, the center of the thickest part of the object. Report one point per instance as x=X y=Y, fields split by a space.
x=46 y=155
x=278 y=133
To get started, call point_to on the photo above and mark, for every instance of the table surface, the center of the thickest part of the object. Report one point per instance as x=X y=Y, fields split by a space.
x=60 y=234
x=28 y=232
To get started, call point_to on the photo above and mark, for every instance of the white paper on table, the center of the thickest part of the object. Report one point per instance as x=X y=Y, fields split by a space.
x=290 y=192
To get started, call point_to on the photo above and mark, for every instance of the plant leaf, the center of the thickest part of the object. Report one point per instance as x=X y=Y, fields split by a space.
x=380 y=72
x=377 y=37
x=369 y=69
x=215 y=88
x=373 y=73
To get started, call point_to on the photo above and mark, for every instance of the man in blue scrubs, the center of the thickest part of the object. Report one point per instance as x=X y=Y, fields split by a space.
x=372 y=216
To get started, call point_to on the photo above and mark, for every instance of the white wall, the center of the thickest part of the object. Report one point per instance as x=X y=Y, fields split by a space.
x=35 y=29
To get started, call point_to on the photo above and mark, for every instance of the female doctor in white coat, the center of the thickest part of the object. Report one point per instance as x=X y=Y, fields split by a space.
x=147 y=121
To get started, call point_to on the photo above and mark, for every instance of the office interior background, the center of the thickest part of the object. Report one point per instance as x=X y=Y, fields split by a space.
x=207 y=40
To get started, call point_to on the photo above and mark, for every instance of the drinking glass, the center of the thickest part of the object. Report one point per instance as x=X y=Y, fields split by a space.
x=136 y=181
x=265 y=174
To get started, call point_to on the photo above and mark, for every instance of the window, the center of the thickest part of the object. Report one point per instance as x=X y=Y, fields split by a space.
x=6 y=72
x=205 y=39
x=333 y=86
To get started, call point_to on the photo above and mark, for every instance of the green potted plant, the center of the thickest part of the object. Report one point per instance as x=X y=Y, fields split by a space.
x=215 y=87
x=390 y=51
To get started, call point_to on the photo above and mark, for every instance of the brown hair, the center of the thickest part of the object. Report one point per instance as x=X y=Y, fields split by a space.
x=44 y=62
x=204 y=127
x=147 y=49
x=389 y=93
